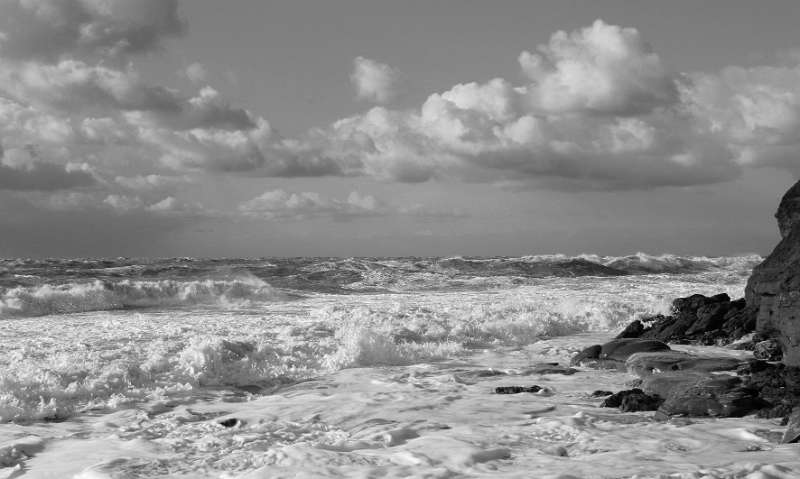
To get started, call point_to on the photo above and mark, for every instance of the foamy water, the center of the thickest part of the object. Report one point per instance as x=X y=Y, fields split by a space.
x=347 y=368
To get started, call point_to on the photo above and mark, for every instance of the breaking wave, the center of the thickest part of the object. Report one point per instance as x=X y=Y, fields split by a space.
x=105 y=295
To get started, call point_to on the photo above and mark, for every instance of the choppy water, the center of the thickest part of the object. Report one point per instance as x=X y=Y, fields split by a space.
x=360 y=367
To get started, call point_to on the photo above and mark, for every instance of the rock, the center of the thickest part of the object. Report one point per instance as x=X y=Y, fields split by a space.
x=711 y=395
x=613 y=354
x=622 y=349
x=601 y=393
x=633 y=400
x=697 y=318
x=768 y=350
x=516 y=389
x=549 y=368
x=592 y=352
x=792 y=433
x=231 y=422
x=633 y=330
x=774 y=287
x=645 y=364
x=777 y=384
x=556 y=451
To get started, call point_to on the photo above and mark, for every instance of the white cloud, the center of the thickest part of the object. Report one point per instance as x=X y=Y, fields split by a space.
x=602 y=68
x=21 y=169
x=280 y=204
x=374 y=81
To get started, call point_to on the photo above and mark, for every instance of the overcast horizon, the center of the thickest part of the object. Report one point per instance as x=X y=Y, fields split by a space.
x=162 y=128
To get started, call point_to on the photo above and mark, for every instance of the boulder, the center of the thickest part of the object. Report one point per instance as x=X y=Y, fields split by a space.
x=633 y=400
x=777 y=384
x=613 y=354
x=703 y=395
x=773 y=289
x=645 y=364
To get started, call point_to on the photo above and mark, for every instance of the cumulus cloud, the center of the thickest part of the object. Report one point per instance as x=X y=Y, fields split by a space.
x=599 y=111
x=602 y=68
x=374 y=81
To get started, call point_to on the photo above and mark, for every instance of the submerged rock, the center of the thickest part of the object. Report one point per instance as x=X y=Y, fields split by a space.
x=516 y=389
x=549 y=368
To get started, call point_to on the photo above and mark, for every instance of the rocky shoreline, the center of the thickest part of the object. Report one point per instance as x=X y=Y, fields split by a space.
x=766 y=321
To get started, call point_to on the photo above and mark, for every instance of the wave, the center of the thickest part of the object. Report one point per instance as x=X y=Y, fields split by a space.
x=105 y=295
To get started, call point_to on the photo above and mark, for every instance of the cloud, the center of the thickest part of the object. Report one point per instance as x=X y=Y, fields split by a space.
x=603 y=68
x=599 y=111
x=280 y=204
x=374 y=81
x=196 y=73
x=50 y=30
x=22 y=170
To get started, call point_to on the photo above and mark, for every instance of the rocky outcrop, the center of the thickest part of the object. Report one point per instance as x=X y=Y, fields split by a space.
x=773 y=290
x=697 y=318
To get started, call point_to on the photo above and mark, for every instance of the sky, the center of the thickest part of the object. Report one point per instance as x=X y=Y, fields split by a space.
x=380 y=128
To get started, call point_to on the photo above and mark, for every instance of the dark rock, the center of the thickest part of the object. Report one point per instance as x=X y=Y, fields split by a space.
x=792 y=433
x=633 y=330
x=697 y=318
x=769 y=350
x=774 y=287
x=516 y=389
x=632 y=400
x=231 y=422
x=698 y=395
x=622 y=349
x=550 y=368
x=592 y=352
x=777 y=384
x=601 y=393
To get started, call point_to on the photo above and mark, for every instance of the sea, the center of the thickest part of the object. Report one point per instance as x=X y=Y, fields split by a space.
x=350 y=368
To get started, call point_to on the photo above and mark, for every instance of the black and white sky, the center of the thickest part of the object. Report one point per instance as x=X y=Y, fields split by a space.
x=379 y=127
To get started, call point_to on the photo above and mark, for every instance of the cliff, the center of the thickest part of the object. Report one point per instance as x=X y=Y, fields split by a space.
x=773 y=290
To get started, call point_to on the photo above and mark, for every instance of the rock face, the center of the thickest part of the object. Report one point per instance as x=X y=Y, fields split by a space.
x=698 y=318
x=773 y=290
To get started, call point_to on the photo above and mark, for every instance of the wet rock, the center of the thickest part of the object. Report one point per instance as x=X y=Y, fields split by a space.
x=600 y=393
x=556 y=451
x=768 y=350
x=792 y=433
x=777 y=384
x=704 y=395
x=633 y=330
x=645 y=364
x=698 y=318
x=633 y=400
x=613 y=354
x=516 y=389
x=550 y=368
x=230 y=422
x=592 y=352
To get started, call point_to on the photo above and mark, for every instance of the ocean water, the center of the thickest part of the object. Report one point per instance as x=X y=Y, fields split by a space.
x=359 y=367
